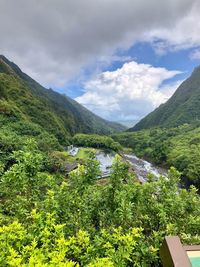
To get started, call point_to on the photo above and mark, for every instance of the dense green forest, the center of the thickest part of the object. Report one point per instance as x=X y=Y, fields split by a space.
x=178 y=147
x=23 y=99
x=96 y=141
x=172 y=135
x=48 y=219
x=53 y=217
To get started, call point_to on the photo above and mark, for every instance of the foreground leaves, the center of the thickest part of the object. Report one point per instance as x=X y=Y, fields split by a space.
x=74 y=221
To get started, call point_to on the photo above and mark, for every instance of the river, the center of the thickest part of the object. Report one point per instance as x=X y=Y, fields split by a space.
x=140 y=166
x=106 y=160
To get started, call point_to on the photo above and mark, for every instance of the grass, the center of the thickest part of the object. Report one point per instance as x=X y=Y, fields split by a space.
x=84 y=153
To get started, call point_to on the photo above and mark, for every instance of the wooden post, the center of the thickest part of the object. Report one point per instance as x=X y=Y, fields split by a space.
x=173 y=254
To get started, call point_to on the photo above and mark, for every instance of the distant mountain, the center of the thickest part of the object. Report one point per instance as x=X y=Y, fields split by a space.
x=182 y=107
x=22 y=98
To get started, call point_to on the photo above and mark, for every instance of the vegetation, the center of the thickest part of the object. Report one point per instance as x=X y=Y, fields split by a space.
x=23 y=99
x=178 y=147
x=46 y=220
x=182 y=107
x=96 y=141
x=84 y=153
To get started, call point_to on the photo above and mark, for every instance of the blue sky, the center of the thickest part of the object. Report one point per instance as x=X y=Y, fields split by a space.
x=141 y=52
x=120 y=59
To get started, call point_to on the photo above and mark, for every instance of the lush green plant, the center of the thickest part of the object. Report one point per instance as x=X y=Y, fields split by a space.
x=178 y=147
x=23 y=99
x=47 y=220
x=97 y=141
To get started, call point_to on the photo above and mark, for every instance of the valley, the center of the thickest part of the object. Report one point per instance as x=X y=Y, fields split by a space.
x=77 y=190
x=100 y=133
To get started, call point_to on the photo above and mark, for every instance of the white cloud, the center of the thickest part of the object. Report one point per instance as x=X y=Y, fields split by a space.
x=180 y=35
x=53 y=40
x=129 y=92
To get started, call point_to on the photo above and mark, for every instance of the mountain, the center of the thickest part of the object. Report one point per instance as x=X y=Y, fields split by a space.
x=182 y=107
x=22 y=98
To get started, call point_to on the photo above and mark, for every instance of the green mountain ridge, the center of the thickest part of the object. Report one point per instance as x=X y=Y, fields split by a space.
x=22 y=98
x=182 y=107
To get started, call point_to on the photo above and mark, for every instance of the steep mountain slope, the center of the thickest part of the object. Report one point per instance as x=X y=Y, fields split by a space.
x=182 y=107
x=22 y=98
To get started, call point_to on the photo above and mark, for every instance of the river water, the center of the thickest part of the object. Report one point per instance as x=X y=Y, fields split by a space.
x=106 y=161
x=140 y=166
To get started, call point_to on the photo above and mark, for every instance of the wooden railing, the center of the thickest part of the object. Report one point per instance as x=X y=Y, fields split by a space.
x=174 y=254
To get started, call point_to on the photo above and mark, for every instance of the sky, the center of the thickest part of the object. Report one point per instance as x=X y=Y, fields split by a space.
x=120 y=59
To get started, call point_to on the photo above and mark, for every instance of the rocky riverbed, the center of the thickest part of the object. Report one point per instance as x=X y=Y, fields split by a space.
x=142 y=167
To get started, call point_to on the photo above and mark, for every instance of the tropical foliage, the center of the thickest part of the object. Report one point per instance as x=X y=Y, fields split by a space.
x=52 y=218
x=48 y=220
x=96 y=141
x=23 y=99
x=178 y=147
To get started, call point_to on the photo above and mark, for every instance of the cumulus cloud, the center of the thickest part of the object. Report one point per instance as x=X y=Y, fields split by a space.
x=128 y=93
x=53 y=40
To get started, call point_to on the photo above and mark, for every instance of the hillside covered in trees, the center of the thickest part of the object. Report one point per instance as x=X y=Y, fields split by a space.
x=24 y=100
x=182 y=107
x=53 y=217
x=169 y=136
x=178 y=147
